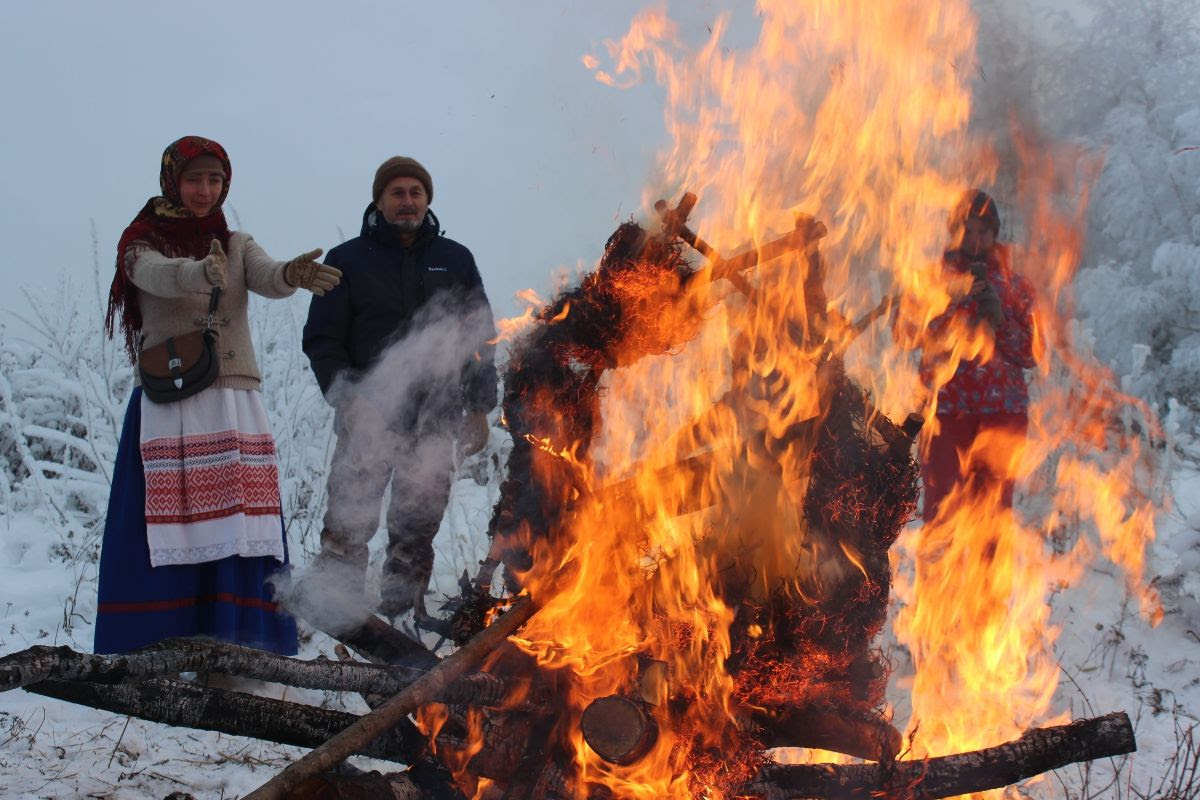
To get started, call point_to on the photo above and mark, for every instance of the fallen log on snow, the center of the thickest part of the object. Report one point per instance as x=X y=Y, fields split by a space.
x=188 y=705
x=1038 y=750
x=143 y=684
x=425 y=689
x=104 y=682
x=171 y=656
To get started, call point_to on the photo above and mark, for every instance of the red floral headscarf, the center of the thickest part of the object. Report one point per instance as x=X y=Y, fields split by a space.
x=165 y=225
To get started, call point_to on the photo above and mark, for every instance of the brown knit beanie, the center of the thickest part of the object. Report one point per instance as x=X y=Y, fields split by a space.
x=397 y=167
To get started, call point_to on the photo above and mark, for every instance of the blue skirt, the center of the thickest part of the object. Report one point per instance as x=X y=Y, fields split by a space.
x=139 y=605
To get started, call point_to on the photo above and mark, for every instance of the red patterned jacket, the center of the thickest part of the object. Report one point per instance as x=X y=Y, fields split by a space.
x=998 y=384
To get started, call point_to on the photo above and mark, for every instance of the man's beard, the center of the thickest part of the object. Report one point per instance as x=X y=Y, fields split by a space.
x=408 y=225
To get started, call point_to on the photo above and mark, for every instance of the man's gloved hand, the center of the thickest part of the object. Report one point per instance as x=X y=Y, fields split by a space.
x=305 y=272
x=215 y=265
x=987 y=300
x=474 y=435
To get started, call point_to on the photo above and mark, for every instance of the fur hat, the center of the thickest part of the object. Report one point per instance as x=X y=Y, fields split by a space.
x=976 y=203
x=400 y=167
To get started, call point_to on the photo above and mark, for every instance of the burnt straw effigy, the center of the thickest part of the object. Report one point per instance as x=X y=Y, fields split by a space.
x=814 y=680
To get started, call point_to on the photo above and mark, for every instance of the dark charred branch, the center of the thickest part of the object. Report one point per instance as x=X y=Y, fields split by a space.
x=380 y=642
x=184 y=704
x=368 y=786
x=534 y=765
x=172 y=656
x=374 y=682
x=484 y=690
x=504 y=740
x=1037 y=751
x=869 y=737
x=424 y=690
x=372 y=699
x=805 y=235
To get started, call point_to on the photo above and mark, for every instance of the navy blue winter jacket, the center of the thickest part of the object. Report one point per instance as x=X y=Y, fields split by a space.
x=384 y=286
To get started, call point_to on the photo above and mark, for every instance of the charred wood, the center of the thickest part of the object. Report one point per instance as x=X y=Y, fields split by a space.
x=172 y=656
x=504 y=740
x=422 y=781
x=1037 y=751
x=618 y=729
x=380 y=642
x=372 y=699
x=484 y=690
x=536 y=765
x=869 y=737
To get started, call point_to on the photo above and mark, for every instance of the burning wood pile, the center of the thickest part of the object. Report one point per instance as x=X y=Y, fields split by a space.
x=684 y=603
x=799 y=658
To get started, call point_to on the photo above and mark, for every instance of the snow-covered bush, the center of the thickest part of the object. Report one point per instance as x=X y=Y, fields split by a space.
x=64 y=388
x=62 y=392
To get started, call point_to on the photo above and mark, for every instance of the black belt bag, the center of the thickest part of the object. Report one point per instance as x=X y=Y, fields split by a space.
x=182 y=365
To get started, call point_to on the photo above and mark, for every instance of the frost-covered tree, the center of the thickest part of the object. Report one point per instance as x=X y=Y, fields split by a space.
x=1126 y=83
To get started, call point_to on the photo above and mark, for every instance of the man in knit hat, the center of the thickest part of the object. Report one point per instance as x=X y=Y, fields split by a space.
x=401 y=350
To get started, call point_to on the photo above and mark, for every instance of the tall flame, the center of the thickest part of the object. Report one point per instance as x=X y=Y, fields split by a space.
x=855 y=112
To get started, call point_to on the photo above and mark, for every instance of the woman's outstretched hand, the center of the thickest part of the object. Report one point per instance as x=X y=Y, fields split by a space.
x=305 y=272
x=215 y=265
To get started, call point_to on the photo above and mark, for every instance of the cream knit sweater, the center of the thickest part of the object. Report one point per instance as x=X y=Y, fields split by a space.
x=173 y=294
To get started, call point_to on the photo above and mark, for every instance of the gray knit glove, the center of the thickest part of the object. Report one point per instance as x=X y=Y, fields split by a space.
x=215 y=265
x=305 y=272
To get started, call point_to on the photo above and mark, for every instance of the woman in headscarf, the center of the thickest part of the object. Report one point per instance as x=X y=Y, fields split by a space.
x=194 y=536
x=982 y=410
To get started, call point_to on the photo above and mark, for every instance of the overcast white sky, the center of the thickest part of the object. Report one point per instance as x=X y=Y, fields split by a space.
x=533 y=160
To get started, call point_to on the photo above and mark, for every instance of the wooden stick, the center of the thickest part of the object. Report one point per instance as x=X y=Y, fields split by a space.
x=424 y=690
x=1038 y=750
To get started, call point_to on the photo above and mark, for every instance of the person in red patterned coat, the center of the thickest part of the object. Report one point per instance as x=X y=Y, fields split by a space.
x=982 y=410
